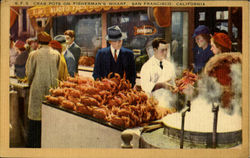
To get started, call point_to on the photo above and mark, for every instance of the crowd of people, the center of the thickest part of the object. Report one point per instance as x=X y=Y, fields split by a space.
x=44 y=61
x=159 y=73
x=208 y=45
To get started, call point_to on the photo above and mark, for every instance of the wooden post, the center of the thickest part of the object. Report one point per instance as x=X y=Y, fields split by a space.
x=126 y=138
x=230 y=30
x=215 y=110
x=104 y=29
x=15 y=123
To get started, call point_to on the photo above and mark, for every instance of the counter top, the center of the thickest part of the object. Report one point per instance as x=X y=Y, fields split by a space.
x=14 y=82
x=85 y=68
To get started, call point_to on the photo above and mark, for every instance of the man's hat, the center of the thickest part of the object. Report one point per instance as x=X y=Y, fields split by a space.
x=60 y=38
x=30 y=40
x=43 y=37
x=201 y=29
x=115 y=34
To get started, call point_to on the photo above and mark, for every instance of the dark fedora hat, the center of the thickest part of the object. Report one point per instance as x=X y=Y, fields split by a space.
x=115 y=34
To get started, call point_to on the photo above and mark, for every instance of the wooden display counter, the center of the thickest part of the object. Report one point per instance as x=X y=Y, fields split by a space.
x=63 y=128
x=19 y=96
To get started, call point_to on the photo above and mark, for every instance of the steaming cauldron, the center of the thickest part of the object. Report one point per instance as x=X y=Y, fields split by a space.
x=199 y=122
x=198 y=129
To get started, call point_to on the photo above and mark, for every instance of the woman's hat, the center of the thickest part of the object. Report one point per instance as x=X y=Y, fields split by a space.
x=55 y=45
x=222 y=39
x=115 y=34
x=201 y=29
x=43 y=37
x=20 y=44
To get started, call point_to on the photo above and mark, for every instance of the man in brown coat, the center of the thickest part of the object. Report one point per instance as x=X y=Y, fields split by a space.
x=42 y=72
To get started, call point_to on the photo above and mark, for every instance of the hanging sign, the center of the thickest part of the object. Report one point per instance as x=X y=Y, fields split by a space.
x=144 y=30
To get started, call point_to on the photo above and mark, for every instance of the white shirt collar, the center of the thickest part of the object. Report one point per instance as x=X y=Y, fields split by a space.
x=113 y=51
x=157 y=61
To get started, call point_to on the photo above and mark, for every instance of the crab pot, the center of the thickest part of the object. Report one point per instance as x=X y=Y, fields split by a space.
x=198 y=130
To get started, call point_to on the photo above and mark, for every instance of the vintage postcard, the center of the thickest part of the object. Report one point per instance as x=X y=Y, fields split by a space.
x=146 y=78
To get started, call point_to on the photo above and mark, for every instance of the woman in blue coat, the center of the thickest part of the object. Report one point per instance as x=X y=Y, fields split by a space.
x=202 y=51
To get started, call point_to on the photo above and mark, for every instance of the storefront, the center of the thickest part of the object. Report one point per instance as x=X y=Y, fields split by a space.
x=141 y=25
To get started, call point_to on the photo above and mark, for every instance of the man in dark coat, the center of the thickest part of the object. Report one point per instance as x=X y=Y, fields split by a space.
x=72 y=47
x=20 y=59
x=115 y=58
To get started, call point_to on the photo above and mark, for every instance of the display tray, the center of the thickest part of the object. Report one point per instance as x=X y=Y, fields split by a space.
x=85 y=68
x=14 y=82
x=100 y=121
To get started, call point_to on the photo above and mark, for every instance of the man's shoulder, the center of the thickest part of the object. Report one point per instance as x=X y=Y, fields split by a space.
x=104 y=50
x=75 y=46
x=148 y=63
x=126 y=50
x=69 y=54
x=55 y=52
x=170 y=64
x=34 y=53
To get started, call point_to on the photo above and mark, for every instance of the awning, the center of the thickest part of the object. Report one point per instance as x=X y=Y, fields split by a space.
x=50 y=11
x=13 y=15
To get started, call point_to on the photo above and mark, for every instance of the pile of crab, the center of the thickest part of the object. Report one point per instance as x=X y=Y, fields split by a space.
x=110 y=99
x=188 y=79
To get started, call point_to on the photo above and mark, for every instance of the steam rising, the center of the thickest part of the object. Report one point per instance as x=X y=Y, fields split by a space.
x=210 y=89
x=165 y=97
x=236 y=75
x=201 y=118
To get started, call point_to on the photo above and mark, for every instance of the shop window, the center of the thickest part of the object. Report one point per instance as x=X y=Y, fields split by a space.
x=222 y=26
x=138 y=28
x=235 y=32
x=179 y=44
x=124 y=19
x=88 y=31
x=202 y=16
x=140 y=33
x=221 y=15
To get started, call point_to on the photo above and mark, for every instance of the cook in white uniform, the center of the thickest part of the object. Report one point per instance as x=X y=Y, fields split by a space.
x=157 y=72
